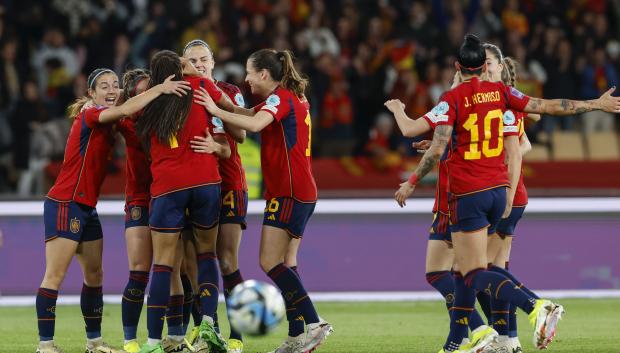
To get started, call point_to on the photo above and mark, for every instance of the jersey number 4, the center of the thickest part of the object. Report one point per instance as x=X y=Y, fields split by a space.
x=471 y=125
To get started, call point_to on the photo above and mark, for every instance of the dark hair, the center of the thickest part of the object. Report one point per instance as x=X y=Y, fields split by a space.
x=471 y=55
x=165 y=115
x=280 y=66
x=91 y=81
x=131 y=78
x=197 y=43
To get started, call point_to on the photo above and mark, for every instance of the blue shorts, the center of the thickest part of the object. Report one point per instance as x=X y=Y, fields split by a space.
x=136 y=216
x=202 y=203
x=71 y=220
x=288 y=214
x=234 y=207
x=440 y=229
x=476 y=211
x=506 y=226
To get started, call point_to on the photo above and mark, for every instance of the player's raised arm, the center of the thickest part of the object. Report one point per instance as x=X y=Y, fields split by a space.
x=605 y=102
x=408 y=126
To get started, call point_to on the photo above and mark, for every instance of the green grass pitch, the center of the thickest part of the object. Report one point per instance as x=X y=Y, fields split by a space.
x=413 y=327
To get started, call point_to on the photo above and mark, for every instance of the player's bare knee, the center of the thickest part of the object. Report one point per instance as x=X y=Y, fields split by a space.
x=93 y=277
x=53 y=279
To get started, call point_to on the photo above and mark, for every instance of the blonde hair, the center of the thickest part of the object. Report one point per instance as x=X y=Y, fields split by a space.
x=509 y=73
x=76 y=107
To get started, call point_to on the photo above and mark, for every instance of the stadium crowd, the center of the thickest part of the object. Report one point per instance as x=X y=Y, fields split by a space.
x=356 y=53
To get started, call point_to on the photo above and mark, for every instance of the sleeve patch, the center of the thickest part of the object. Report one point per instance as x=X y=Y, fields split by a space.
x=273 y=100
x=218 y=125
x=509 y=117
x=271 y=108
x=441 y=108
x=239 y=100
x=511 y=128
x=515 y=92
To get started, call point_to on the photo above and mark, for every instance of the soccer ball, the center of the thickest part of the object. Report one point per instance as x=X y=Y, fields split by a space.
x=255 y=308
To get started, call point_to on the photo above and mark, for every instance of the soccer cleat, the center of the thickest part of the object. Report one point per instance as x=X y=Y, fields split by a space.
x=315 y=335
x=155 y=348
x=48 y=347
x=193 y=336
x=235 y=346
x=201 y=346
x=291 y=345
x=98 y=346
x=323 y=322
x=481 y=338
x=216 y=342
x=501 y=345
x=172 y=346
x=131 y=346
x=545 y=318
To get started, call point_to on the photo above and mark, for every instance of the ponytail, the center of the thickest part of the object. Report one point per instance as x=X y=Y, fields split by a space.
x=509 y=74
x=281 y=67
x=76 y=107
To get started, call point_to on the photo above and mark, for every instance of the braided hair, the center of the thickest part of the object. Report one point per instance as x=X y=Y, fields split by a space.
x=131 y=79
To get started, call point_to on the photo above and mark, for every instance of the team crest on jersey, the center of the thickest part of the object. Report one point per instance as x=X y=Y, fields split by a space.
x=75 y=225
x=509 y=117
x=239 y=100
x=136 y=213
x=218 y=124
x=515 y=92
x=441 y=108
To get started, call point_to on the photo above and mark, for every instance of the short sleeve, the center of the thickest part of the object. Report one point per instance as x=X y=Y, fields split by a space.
x=512 y=122
x=91 y=116
x=442 y=114
x=515 y=99
x=211 y=88
x=274 y=106
x=216 y=125
x=258 y=107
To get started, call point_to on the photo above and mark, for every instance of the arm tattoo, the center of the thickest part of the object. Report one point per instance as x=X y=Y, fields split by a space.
x=559 y=106
x=438 y=145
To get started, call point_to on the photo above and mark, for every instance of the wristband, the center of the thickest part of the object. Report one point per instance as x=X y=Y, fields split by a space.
x=413 y=179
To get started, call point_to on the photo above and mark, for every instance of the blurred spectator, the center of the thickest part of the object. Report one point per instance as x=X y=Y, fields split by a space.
x=336 y=121
x=596 y=78
x=54 y=62
x=383 y=143
x=320 y=39
x=10 y=80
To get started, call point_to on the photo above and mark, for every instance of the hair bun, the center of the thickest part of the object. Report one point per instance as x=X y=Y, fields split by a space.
x=472 y=40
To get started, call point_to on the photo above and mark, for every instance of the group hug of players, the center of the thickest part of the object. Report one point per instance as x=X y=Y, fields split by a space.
x=478 y=141
x=186 y=199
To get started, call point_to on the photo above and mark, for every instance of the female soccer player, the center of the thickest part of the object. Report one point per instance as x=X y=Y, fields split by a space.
x=182 y=180
x=284 y=122
x=72 y=226
x=234 y=197
x=137 y=198
x=478 y=180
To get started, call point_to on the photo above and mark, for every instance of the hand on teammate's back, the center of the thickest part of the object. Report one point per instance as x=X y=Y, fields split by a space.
x=179 y=88
x=202 y=144
x=202 y=97
x=609 y=103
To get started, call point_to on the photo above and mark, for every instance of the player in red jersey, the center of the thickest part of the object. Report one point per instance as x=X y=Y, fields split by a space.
x=72 y=226
x=284 y=122
x=234 y=193
x=478 y=177
x=182 y=180
x=137 y=199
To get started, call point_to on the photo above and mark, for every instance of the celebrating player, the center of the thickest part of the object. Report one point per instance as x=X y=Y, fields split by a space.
x=285 y=125
x=478 y=178
x=234 y=187
x=72 y=225
x=182 y=180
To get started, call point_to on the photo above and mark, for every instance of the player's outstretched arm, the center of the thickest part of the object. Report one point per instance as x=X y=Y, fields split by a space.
x=259 y=121
x=429 y=161
x=409 y=127
x=606 y=102
x=137 y=103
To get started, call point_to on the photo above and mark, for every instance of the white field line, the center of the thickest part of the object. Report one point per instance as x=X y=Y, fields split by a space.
x=12 y=301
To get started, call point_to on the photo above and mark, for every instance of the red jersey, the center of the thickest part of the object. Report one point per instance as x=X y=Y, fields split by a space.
x=87 y=155
x=285 y=147
x=138 y=172
x=521 y=194
x=174 y=165
x=476 y=111
x=233 y=175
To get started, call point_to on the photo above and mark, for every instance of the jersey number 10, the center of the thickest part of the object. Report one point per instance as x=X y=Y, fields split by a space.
x=471 y=125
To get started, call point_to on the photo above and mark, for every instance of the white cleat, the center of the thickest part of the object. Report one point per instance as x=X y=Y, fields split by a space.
x=48 y=347
x=291 y=345
x=98 y=346
x=545 y=317
x=315 y=335
x=515 y=345
x=503 y=344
